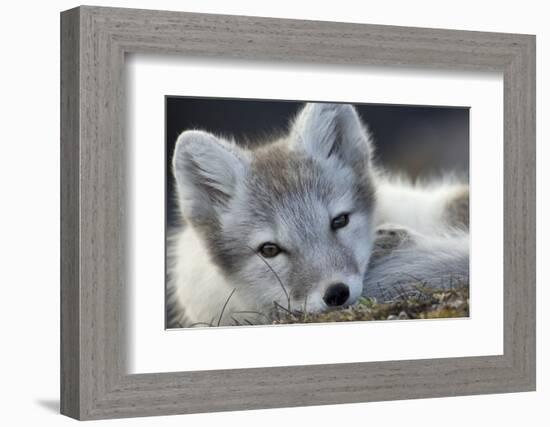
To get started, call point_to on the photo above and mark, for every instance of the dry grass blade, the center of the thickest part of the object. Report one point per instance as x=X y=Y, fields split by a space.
x=225 y=305
x=286 y=310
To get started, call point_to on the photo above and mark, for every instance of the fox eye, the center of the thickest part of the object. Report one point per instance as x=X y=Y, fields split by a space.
x=340 y=221
x=269 y=250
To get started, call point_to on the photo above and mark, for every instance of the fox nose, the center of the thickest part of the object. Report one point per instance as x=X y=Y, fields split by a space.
x=336 y=294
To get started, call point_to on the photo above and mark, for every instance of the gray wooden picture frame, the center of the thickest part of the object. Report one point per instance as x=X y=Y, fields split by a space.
x=94 y=41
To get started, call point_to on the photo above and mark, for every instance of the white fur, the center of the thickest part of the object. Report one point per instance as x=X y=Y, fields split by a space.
x=420 y=207
x=205 y=300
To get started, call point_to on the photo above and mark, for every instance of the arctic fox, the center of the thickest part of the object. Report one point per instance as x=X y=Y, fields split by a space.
x=306 y=221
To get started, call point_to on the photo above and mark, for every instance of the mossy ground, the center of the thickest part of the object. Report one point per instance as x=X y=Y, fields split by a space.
x=419 y=302
x=425 y=304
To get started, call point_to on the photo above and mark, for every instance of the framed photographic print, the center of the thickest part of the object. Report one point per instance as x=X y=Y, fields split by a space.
x=347 y=211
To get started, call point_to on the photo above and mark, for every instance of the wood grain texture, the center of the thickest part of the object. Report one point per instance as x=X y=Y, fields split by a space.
x=95 y=234
x=70 y=291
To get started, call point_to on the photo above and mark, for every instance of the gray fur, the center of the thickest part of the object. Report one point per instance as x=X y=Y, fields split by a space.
x=404 y=261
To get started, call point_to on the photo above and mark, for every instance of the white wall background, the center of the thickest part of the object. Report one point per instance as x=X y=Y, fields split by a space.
x=29 y=225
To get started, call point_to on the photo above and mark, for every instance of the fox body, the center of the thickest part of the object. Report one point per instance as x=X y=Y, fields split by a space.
x=305 y=222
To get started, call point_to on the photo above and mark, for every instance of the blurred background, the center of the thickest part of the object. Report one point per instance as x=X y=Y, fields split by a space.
x=418 y=141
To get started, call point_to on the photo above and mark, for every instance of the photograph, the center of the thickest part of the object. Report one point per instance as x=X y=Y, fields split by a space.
x=291 y=212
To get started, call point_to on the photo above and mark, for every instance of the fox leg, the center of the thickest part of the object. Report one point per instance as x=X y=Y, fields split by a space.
x=390 y=237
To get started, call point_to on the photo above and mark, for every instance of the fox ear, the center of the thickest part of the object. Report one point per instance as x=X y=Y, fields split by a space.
x=333 y=130
x=207 y=170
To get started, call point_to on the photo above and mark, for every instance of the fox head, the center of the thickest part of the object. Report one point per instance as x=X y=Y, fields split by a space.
x=289 y=222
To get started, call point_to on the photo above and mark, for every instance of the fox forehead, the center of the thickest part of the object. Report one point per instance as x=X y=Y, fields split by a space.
x=283 y=179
